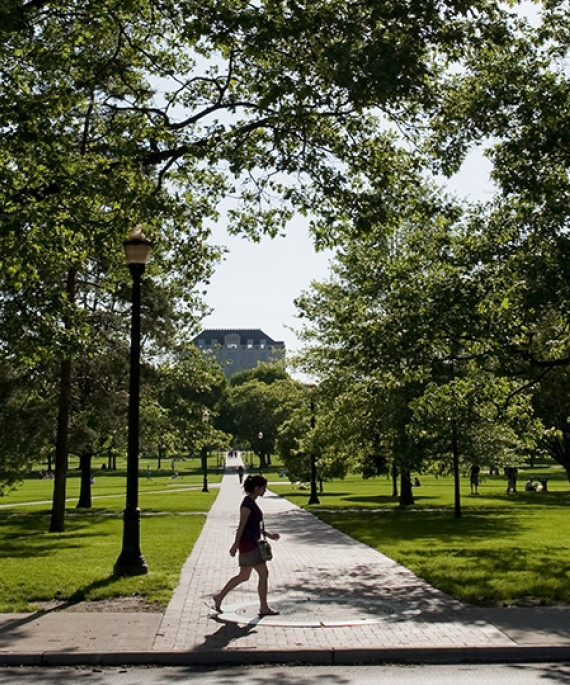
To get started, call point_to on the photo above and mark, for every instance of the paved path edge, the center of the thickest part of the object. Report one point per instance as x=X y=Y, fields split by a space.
x=404 y=655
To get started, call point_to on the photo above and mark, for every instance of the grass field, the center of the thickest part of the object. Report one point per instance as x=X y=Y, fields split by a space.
x=38 y=566
x=502 y=550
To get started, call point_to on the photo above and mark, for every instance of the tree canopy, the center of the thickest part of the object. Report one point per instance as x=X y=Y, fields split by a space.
x=177 y=114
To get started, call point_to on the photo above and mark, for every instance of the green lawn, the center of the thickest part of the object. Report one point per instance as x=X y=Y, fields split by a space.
x=37 y=566
x=503 y=549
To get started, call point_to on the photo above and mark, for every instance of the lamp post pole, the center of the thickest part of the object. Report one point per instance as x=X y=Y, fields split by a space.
x=314 y=498
x=261 y=455
x=205 y=419
x=131 y=562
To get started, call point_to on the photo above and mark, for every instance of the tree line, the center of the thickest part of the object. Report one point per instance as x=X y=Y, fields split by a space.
x=444 y=328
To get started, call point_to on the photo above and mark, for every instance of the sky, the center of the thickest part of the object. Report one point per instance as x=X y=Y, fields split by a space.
x=256 y=284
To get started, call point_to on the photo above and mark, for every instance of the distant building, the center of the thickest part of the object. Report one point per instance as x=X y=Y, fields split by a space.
x=236 y=349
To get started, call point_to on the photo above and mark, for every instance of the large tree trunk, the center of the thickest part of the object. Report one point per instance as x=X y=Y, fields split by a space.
x=111 y=460
x=456 y=476
x=407 y=495
x=57 y=523
x=262 y=462
x=85 y=489
x=559 y=449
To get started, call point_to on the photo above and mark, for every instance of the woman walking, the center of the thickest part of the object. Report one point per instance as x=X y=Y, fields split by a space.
x=247 y=536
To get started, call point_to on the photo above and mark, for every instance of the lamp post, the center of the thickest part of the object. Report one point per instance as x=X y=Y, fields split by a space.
x=261 y=455
x=314 y=498
x=131 y=562
x=205 y=419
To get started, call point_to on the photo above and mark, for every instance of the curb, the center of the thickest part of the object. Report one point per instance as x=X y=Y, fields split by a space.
x=404 y=655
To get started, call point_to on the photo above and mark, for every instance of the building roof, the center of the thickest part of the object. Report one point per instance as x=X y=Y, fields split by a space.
x=219 y=334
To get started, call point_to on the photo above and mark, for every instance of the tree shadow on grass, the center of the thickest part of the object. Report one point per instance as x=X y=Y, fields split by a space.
x=25 y=535
x=393 y=526
x=457 y=555
x=305 y=492
x=385 y=500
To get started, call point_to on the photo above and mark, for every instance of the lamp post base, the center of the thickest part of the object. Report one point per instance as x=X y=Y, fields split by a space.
x=131 y=562
x=130 y=567
x=205 y=469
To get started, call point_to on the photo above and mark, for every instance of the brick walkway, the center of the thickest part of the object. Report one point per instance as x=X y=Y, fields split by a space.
x=334 y=593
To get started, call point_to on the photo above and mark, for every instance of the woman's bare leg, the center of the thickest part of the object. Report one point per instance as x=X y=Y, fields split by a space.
x=263 y=573
x=242 y=576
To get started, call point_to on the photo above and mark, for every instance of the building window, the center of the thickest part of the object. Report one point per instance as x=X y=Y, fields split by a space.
x=250 y=343
x=262 y=344
x=232 y=346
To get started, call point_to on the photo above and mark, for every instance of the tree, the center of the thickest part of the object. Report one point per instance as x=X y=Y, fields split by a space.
x=26 y=421
x=264 y=373
x=304 y=436
x=99 y=404
x=153 y=112
x=179 y=391
x=511 y=100
x=407 y=301
x=551 y=402
x=253 y=411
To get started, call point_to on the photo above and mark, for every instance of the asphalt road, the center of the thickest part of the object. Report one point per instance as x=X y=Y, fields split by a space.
x=460 y=674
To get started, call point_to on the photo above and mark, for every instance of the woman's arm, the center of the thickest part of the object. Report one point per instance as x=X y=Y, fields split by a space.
x=244 y=513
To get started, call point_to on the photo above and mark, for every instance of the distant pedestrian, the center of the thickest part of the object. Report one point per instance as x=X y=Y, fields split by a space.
x=148 y=473
x=248 y=534
x=240 y=473
x=474 y=478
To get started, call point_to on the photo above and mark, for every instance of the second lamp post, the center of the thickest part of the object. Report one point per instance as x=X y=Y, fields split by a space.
x=131 y=562
x=205 y=420
x=314 y=498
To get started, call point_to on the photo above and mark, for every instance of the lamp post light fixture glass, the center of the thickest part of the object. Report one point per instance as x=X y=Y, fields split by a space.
x=131 y=562
x=261 y=455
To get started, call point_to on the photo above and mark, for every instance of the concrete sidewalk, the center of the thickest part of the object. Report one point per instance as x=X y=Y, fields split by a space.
x=340 y=602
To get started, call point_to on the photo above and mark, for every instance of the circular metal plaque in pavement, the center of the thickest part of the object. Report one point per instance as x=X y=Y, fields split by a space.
x=319 y=612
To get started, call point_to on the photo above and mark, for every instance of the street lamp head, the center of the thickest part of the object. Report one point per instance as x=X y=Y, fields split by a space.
x=137 y=247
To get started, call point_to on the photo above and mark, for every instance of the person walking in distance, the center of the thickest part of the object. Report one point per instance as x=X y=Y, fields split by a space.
x=248 y=534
